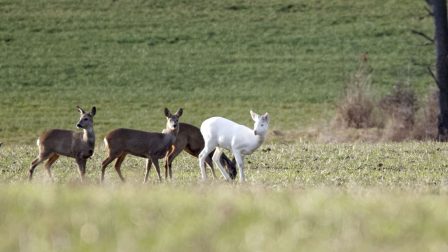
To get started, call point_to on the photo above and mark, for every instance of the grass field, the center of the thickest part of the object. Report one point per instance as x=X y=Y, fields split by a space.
x=304 y=196
x=291 y=58
x=132 y=58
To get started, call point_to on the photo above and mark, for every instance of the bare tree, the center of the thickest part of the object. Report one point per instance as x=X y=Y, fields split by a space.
x=439 y=12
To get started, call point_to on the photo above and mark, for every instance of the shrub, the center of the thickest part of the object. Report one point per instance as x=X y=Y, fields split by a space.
x=400 y=108
x=356 y=108
x=426 y=125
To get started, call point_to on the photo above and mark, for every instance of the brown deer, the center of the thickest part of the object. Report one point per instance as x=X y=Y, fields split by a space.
x=150 y=145
x=190 y=140
x=78 y=145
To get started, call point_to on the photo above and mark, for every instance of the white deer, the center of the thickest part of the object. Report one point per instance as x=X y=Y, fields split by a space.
x=220 y=133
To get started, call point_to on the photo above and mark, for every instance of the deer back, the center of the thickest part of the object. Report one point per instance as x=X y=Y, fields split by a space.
x=218 y=127
x=229 y=135
x=189 y=136
x=64 y=142
x=139 y=143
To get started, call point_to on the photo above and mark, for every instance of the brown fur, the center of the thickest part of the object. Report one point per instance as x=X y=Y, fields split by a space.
x=78 y=145
x=150 y=145
x=190 y=139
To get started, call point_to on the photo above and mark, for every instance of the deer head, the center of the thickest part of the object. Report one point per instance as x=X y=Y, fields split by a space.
x=261 y=123
x=86 y=118
x=172 y=121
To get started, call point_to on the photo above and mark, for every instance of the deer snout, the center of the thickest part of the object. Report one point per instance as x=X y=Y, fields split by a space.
x=255 y=132
x=78 y=125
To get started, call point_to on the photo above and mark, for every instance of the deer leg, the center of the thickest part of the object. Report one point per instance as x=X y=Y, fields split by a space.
x=118 y=165
x=49 y=163
x=156 y=164
x=42 y=157
x=170 y=169
x=229 y=165
x=173 y=149
x=167 y=160
x=105 y=163
x=170 y=160
x=148 y=167
x=240 y=163
x=202 y=156
x=216 y=158
x=81 y=167
x=209 y=161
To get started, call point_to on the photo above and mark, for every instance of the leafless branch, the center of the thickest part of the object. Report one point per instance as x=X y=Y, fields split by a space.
x=429 y=11
x=432 y=75
x=423 y=35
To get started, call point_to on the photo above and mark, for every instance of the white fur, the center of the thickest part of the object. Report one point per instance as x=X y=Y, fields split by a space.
x=106 y=144
x=220 y=133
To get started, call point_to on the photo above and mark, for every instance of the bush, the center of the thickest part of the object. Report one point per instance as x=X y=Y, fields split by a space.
x=400 y=108
x=396 y=117
x=426 y=126
x=356 y=108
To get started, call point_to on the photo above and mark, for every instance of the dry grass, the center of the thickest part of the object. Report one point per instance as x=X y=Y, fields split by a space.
x=350 y=135
x=425 y=127
x=400 y=109
x=396 y=117
x=356 y=108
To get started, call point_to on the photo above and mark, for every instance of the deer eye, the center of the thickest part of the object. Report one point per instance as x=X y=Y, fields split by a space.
x=85 y=119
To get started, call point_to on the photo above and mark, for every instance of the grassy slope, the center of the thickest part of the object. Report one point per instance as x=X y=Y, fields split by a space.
x=132 y=58
x=361 y=197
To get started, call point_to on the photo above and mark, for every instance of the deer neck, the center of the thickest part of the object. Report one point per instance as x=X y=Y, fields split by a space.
x=260 y=139
x=257 y=140
x=171 y=134
x=88 y=136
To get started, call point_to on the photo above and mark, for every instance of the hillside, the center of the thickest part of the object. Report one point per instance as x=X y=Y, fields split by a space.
x=132 y=58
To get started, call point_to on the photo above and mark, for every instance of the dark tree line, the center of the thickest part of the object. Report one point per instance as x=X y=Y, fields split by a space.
x=439 y=13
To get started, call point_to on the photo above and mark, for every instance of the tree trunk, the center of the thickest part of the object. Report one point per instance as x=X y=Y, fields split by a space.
x=441 y=39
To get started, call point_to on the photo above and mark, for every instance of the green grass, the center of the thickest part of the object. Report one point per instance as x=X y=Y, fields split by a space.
x=219 y=218
x=132 y=58
x=413 y=166
x=290 y=58
x=303 y=196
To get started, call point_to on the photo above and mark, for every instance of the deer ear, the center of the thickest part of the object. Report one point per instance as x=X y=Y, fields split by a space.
x=93 y=111
x=266 y=117
x=167 y=112
x=80 y=110
x=179 y=112
x=254 y=115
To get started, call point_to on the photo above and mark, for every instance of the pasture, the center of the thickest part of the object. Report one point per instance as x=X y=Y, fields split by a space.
x=132 y=58
x=304 y=196
x=292 y=59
